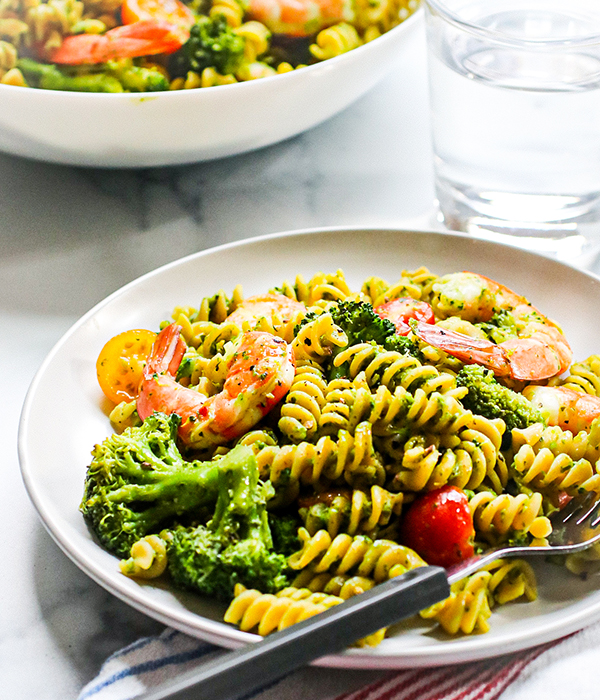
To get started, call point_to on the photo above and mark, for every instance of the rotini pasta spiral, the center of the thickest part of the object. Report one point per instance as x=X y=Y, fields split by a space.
x=543 y=470
x=351 y=512
x=253 y=70
x=464 y=459
x=8 y=56
x=424 y=279
x=251 y=609
x=342 y=585
x=377 y=291
x=315 y=341
x=348 y=458
x=49 y=21
x=124 y=415
x=583 y=376
x=349 y=402
x=393 y=369
x=256 y=37
x=511 y=579
x=232 y=10
x=358 y=555
x=148 y=558
x=585 y=444
x=468 y=608
x=320 y=288
x=208 y=78
x=215 y=308
x=207 y=337
x=497 y=518
x=301 y=411
x=335 y=41
x=584 y=563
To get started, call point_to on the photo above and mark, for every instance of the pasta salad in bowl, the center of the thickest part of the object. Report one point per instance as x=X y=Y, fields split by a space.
x=260 y=456
x=133 y=67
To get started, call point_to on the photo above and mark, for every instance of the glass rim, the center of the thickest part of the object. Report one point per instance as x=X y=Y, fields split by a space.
x=452 y=17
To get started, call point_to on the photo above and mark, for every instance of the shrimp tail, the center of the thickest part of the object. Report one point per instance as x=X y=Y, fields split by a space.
x=463 y=347
x=158 y=389
x=167 y=352
x=531 y=359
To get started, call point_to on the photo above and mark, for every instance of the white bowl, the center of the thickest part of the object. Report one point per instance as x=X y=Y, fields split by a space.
x=167 y=128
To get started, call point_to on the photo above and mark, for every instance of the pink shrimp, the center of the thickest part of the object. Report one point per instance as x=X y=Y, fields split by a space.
x=300 y=17
x=260 y=370
x=144 y=38
x=265 y=305
x=539 y=350
x=570 y=410
x=400 y=311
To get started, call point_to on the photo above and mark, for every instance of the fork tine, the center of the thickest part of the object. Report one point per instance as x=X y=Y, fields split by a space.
x=588 y=511
x=575 y=506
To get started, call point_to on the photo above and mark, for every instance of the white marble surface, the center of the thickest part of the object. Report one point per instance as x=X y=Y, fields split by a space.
x=69 y=237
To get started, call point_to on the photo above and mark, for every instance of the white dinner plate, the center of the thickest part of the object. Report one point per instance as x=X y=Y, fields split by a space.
x=64 y=416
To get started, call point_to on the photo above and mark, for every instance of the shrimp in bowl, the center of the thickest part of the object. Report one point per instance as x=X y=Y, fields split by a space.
x=534 y=347
x=260 y=370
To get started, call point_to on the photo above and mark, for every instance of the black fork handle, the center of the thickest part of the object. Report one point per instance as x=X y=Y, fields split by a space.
x=256 y=665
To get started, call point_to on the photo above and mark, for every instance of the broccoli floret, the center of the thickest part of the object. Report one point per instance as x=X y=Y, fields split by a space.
x=284 y=529
x=500 y=327
x=489 y=398
x=49 y=77
x=137 y=78
x=361 y=324
x=212 y=43
x=236 y=545
x=138 y=481
x=114 y=76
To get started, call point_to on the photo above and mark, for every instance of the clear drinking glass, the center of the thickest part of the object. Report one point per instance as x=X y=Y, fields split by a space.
x=515 y=97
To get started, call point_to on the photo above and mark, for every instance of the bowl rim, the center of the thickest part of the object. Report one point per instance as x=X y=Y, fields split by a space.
x=289 y=76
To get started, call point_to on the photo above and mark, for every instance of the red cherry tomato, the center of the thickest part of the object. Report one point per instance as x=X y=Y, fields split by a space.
x=439 y=526
x=563 y=498
x=400 y=311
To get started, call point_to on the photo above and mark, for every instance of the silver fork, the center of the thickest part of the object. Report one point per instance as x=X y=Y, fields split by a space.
x=238 y=673
x=574 y=528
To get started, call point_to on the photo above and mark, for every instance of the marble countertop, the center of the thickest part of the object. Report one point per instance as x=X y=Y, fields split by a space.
x=70 y=236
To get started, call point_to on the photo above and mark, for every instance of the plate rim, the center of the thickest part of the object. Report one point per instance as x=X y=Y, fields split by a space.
x=456 y=651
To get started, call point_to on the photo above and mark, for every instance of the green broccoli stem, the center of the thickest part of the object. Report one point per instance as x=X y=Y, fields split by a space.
x=239 y=498
x=236 y=545
x=137 y=78
x=491 y=399
x=49 y=77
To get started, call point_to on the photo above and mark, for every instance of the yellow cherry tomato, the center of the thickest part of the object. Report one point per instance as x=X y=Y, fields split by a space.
x=121 y=362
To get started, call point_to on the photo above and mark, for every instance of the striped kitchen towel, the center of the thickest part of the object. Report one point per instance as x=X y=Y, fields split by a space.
x=532 y=674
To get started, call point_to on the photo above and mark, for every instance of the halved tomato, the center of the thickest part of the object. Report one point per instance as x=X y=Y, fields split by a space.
x=121 y=362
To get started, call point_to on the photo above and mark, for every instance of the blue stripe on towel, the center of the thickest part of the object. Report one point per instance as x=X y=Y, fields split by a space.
x=262 y=689
x=134 y=646
x=149 y=666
